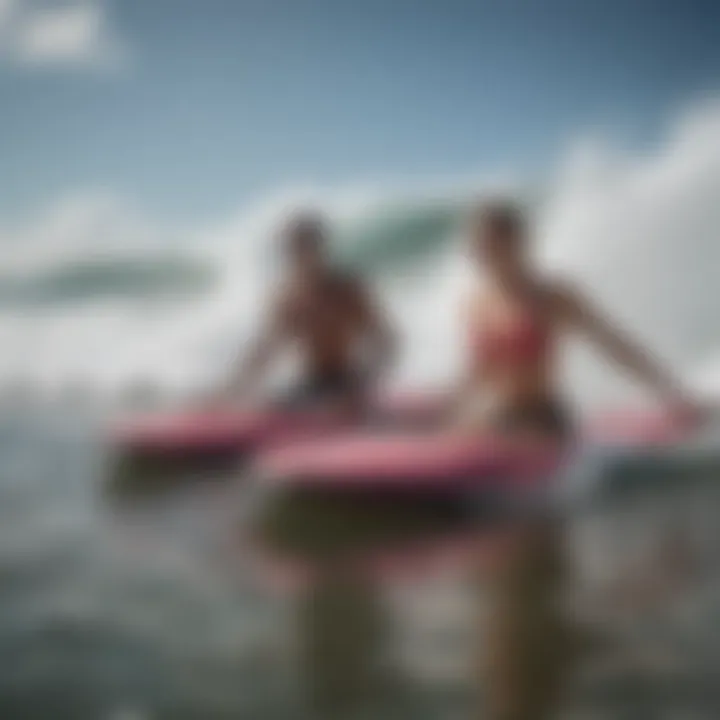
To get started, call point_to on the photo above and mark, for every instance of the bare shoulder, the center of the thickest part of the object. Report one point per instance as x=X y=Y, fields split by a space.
x=564 y=296
x=474 y=298
x=472 y=305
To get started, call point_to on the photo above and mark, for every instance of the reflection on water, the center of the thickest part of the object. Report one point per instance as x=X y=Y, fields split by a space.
x=148 y=605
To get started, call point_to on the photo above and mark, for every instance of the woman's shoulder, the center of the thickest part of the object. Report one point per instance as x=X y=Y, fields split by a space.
x=564 y=296
x=559 y=288
x=474 y=297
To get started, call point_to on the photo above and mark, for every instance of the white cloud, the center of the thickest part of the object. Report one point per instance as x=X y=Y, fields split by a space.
x=72 y=33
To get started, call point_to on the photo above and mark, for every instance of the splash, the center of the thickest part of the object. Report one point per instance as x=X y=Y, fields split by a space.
x=639 y=231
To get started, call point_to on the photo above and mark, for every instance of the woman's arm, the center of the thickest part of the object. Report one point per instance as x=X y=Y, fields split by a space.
x=584 y=317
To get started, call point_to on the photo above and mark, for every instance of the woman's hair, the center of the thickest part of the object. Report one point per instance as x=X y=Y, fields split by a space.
x=502 y=216
x=305 y=229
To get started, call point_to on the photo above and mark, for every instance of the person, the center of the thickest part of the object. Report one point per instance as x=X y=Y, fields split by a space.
x=515 y=322
x=344 y=342
x=345 y=345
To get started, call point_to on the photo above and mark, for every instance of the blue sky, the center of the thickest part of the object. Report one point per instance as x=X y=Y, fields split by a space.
x=190 y=107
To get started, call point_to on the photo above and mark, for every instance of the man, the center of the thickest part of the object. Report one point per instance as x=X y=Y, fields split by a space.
x=344 y=342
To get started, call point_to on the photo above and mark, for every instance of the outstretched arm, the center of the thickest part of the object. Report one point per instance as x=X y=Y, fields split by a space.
x=251 y=369
x=620 y=348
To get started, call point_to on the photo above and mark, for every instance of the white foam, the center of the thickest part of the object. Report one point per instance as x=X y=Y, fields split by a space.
x=638 y=229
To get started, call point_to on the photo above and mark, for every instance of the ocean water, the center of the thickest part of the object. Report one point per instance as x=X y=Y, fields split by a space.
x=143 y=601
x=145 y=604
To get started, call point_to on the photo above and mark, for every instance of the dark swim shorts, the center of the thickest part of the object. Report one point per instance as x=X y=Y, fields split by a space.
x=547 y=416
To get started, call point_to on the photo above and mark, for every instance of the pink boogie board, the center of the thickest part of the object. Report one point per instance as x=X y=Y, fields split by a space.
x=431 y=466
x=411 y=462
x=237 y=432
x=212 y=432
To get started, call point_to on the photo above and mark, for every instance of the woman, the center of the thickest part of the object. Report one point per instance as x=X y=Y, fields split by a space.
x=515 y=323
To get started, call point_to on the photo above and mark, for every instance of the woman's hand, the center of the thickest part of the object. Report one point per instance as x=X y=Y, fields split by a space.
x=689 y=412
x=631 y=356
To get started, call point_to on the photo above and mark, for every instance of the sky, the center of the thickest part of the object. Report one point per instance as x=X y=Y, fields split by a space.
x=192 y=107
x=135 y=134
